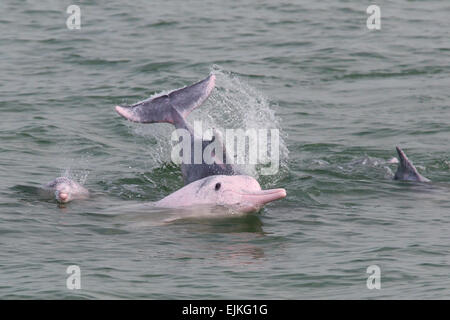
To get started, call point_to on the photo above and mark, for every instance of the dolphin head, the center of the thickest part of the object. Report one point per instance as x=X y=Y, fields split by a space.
x=240 y=193
x=66 y=190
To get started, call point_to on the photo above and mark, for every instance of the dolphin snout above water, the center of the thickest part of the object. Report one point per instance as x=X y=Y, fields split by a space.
x=65 y=190
x=239 y=193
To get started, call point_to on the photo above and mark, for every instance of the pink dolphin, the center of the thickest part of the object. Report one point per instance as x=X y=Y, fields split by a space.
x=206 y=183
x=239 y=193
x=65 y=190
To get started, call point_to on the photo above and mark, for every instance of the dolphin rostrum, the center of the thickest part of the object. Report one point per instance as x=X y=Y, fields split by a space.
x=64 y=190
x=406 y=170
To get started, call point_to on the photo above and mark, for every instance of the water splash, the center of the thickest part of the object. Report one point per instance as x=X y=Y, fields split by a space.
x=79 y=175
x=234 y=104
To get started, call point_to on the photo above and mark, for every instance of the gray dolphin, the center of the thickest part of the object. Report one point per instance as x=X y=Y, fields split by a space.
x=173 y=108
x=406 y=170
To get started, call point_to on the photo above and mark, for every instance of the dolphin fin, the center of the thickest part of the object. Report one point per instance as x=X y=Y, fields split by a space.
x=172 y=107
x=406 y=170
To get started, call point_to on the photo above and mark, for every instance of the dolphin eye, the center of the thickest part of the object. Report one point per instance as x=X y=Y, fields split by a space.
x=217 y=187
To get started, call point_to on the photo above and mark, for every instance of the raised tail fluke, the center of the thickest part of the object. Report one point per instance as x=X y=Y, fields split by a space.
x=406 y=170
x=169 y=107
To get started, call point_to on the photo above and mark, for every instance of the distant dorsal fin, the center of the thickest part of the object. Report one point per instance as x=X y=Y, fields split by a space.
x=406 y=170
